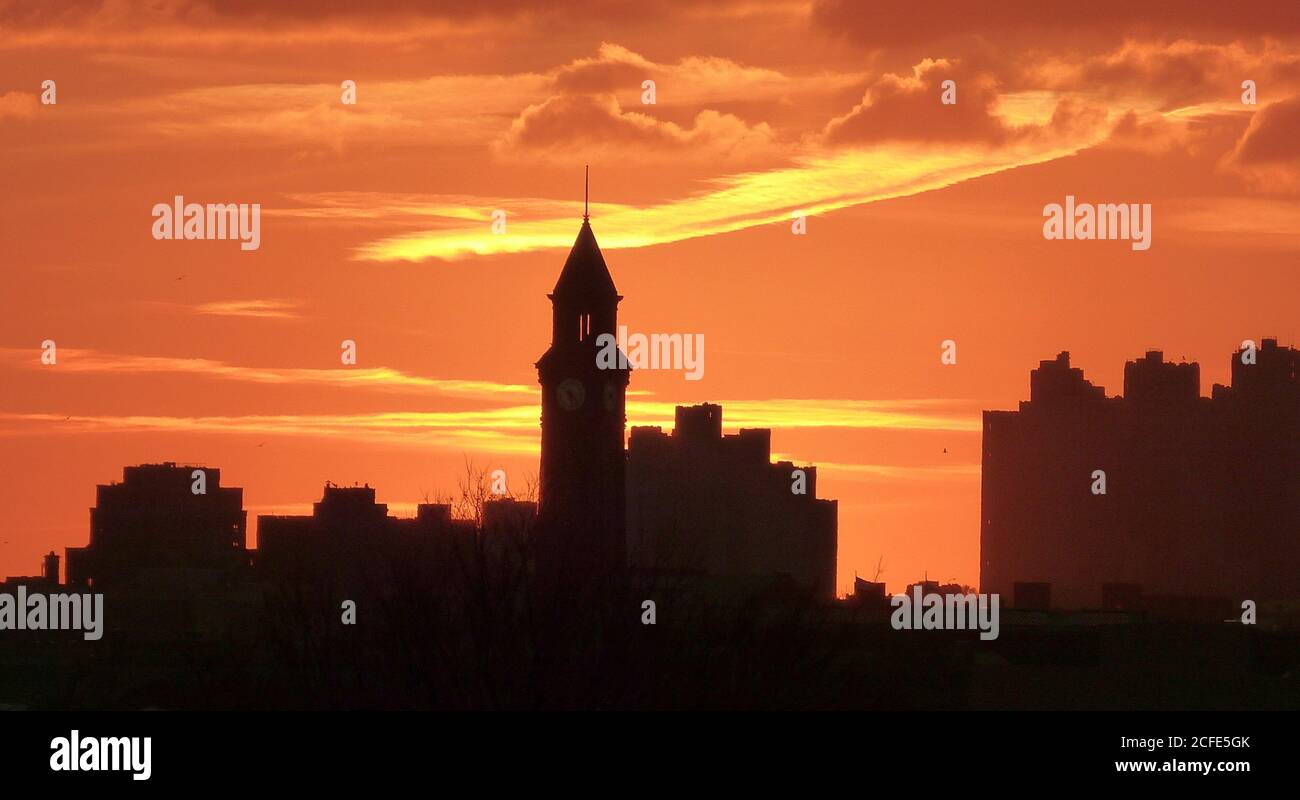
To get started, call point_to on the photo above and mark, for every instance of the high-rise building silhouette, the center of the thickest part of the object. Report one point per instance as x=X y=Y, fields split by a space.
x=701 y=502
x=351 y=542
x=161 y=517
x=1202 y=495
x=581 y=508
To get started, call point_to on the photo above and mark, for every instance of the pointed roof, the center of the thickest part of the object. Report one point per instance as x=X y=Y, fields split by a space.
x=585 y=273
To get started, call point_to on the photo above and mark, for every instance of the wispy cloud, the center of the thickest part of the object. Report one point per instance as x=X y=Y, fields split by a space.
x=518 y=111
x=921 y=415
x=262 y=309
x=816 y=185
x=507 y=430
x=937 y=472
x=695 y=80
x=495 y=431
x=377 y=378
x=1276 y=220
x=18 y=105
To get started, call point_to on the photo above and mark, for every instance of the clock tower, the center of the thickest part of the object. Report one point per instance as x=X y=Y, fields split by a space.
x=581 y=521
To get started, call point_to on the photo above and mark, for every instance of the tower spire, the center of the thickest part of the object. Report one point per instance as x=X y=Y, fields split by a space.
x=586 y=191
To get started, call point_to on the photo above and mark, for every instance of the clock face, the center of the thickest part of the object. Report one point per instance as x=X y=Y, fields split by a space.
x=611 y=396
x=570 y=394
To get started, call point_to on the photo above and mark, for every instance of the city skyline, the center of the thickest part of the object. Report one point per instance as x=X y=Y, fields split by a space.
x=681 y=481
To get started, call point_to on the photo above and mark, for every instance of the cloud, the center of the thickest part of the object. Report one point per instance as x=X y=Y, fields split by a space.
x=1268 y=153
x=814 y=184
x=376 y=378
x=595 y=124
x=789 y=414
x=261 y=309
x=215 y=24
x=1163 y=75
x=909 y=108
x=1273 y=136
x=898 y=23
x=1254 y=221
x=692 y=81
x=310 y=116
x=529 y=111
x=613 y=68
x=496 y=431
x=1150 y=133
x=891 y=472
x=595 y=104
x=507 y=430
x=413 y=209
x=18 y=105
x=209 y=24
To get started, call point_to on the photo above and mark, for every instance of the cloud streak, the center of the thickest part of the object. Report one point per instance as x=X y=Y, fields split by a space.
x=259 y=309
x=818 y=184
x=377 y=378
x=506 y=430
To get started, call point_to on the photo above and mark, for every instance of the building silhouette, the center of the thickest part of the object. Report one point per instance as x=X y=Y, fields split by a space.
x=48 y=579
x=168 y=547
x=349 y=542
x=1202 y=495
x=581 y=508
x=702 y=502
x=161 y=518
x=868 y=594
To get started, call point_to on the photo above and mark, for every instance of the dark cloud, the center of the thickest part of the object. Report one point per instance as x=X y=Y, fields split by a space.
x=903 y=23
x=909 y=108
x=1273 y=136
x=27 y=14
x=565 y=122
x=1267 y=156
x=609 y=73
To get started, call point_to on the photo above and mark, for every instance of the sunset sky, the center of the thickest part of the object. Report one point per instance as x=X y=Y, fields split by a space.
x=924 y=223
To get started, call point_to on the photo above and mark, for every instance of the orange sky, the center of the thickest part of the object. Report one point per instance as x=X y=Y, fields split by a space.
x=925 y=224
